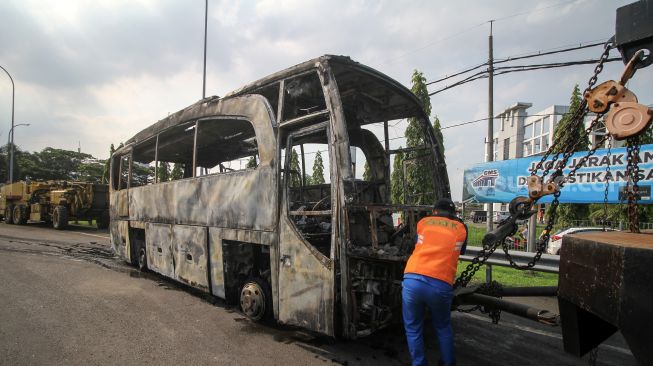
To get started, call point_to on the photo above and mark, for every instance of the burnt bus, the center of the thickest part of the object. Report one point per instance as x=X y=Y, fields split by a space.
x=219 y=196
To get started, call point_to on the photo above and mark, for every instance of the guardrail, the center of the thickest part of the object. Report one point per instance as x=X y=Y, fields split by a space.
x=547 y=263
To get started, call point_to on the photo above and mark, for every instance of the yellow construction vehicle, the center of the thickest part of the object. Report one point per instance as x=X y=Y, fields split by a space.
x=54 y=202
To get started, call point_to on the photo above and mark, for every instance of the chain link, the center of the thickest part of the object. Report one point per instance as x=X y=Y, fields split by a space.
x=564 y=146
x=576 y=118
x=633 y=174
x=607 y=182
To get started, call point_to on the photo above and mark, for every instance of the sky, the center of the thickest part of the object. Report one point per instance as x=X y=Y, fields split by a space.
x=90 y=74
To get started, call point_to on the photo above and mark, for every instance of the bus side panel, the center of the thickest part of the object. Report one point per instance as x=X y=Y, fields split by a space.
x=120 y=239
x=191 y=256
x=158 y=244
x=306 y=285
x=217 y=264
x=243 y=200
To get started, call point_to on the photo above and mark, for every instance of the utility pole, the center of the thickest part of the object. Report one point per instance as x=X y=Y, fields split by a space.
x=490 y=123
x=206 y=18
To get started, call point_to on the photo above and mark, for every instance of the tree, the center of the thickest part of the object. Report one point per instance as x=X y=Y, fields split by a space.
x=419 y=179
x=318 y=169
x=438 y=135
x=397 y=179
x=164 y=171
x=251 y=163
x=107 y=166
x=367 y=172
x=177 y=171
x=295 y=174
x=568 y=135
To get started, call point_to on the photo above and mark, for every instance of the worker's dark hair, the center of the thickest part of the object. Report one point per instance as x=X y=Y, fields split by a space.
x=445 y=204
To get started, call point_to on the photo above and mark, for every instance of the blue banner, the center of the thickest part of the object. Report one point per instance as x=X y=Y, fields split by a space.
x=501 y=181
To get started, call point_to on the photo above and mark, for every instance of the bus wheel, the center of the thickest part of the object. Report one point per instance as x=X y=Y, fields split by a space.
x=142 y=259
x=60 y=217
x=256 y=299
x=9 y=214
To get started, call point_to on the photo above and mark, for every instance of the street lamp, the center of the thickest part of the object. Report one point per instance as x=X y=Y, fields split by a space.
x=11 y=158
x=11 y=162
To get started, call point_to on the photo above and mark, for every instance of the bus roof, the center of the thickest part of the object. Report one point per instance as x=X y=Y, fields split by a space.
x=202 y=108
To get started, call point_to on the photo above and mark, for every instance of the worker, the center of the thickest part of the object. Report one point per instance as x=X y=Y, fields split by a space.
x=428 y=280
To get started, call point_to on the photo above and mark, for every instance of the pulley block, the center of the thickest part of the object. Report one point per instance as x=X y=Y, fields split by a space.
x=628 y=119
x=537 y=189
x=601 y=97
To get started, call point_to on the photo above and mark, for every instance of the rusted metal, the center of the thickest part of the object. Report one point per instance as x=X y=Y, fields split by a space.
x=627 y=119
x=538 y=189
x=602 y=96
x=605 y=286
x=494 y=303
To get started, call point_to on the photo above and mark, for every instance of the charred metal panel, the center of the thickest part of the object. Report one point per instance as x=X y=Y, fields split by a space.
x=217 y=236
x=241 y=199
x=119 y=204
x=158 y=245
x=605 y=286
x=191 y=257
x=216 y=263
x=306 y=284
x=120 y=239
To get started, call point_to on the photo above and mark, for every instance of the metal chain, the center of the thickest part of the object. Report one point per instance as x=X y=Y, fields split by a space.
x=578 y=115
x=474 y=265
x=567 y=147
x=633 y=175
x=607 y=182
x=542 y=243
x=494 y=289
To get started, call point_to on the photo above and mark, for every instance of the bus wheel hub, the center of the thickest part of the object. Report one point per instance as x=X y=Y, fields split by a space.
x=252 y=301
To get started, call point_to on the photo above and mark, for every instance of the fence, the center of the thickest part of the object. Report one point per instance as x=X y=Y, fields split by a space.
x=548 y=263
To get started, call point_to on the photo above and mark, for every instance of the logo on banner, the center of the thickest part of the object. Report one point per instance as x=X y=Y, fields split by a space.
x=486 y=180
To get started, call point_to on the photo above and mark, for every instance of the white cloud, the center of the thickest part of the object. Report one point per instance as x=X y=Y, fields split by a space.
x=98 y=72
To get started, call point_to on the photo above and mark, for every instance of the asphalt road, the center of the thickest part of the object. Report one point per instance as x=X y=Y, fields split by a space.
x=64 y=299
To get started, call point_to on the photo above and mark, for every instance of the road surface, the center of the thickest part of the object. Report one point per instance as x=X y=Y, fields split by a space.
x=65 y=299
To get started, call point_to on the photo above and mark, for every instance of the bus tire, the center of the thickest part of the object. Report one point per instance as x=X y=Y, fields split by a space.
x=9 y=214
x=20 y=215
x=60 y=217
x=142 y=259
x=256 y=299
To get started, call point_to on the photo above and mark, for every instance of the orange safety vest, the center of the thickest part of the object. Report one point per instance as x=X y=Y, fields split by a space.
x=439 y=241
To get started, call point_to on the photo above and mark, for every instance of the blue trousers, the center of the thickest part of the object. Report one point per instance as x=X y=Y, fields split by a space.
x=421 y=292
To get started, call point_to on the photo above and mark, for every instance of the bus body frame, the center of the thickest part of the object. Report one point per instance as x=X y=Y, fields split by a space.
x=327 y=255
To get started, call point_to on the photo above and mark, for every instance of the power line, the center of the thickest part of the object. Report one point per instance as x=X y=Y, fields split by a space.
x=487 y=118
x=546 y=52
x=509 y=69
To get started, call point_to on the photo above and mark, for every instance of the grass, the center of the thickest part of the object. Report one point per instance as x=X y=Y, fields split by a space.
x=475 y=233
x=510 y=277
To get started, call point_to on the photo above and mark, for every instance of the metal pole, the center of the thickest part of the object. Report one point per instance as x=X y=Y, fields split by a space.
x=11 y=156
x=206 y=17
x=490 y=124
x=532 y=233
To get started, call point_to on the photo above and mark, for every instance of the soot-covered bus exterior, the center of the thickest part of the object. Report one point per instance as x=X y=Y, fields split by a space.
x=230 y=197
